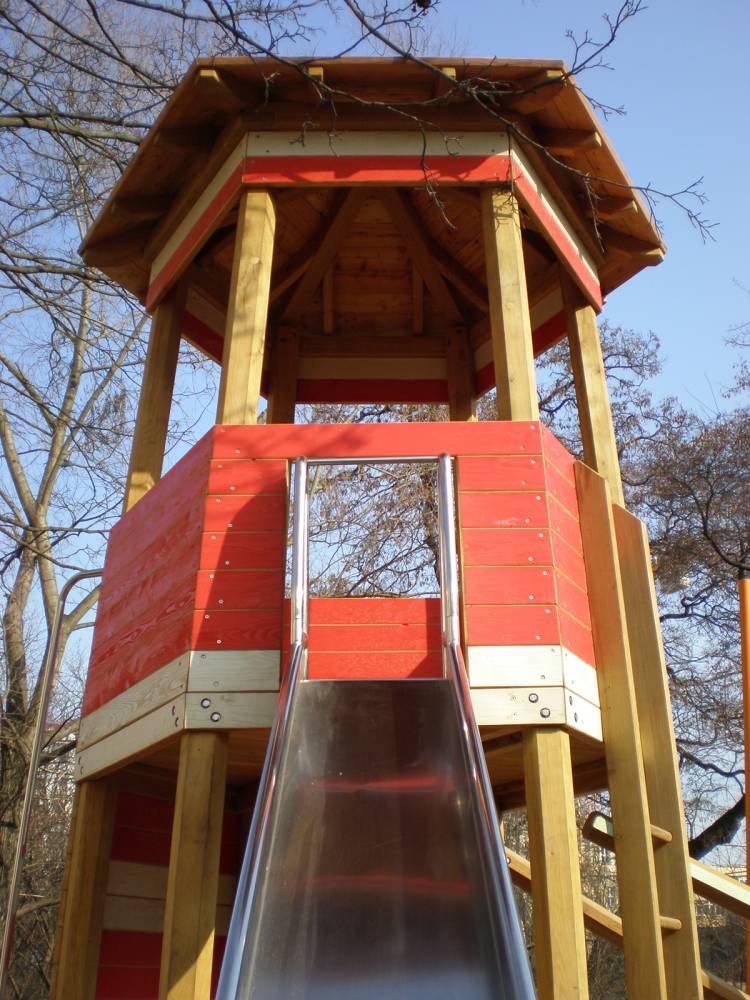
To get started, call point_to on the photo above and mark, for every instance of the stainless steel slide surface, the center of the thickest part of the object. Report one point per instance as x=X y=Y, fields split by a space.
x=374 y=879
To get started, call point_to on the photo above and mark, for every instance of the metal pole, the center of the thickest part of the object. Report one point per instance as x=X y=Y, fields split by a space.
x=743 y=585
x=47 y=679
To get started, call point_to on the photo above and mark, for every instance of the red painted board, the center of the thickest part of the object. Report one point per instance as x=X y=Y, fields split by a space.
x=556 y=453
x=174 y=542
x=503 y=510
x=254 y=476
x=519 y=625
x=144 y=847
x=144 y=811
x=200 y=334
x=122 y=664
x=241 y=512
x=572 y=599
x=506 y=547
x=361 y=440
x=507 y=472
x=509 y=585
x=116 y=982
x=375 y=666
x=562 y=489
x=568 y=561
x=373 y=610
x=248 y=629
x=161 y=605
x=565 y=525
x=577 y=638
x=373 y=638
x=340 y=390
x=134 y=948
x=548 y=333
x=243 y=550
x=232 y=589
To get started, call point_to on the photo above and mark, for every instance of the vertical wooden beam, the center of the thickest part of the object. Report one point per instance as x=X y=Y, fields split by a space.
x=510 y=321
x=245 y=334
x=82 y=903
x=417 y=300
x=592 y=395
x=636 y=873
x=556 y=884
x=672 y=861
x=193 y=880
x=283 y=394
x=150 y=436
x=328 y=319
x=460 y=375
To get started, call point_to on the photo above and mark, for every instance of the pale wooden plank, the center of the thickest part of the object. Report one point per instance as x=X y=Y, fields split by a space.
x=592 y=394
x=155 y=401
x=510 y=322
x=244 y=338
x=234 y=670
x=230 y=710
x=132 y=740
x=559 y=937
x=129 y=878
x=193 y=882
x=636 y=875
x=128 y=913
x=153 y=691
x=82 y=905
x=672 y=861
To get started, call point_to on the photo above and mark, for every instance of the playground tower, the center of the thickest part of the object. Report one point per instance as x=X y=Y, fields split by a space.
x=363 y=246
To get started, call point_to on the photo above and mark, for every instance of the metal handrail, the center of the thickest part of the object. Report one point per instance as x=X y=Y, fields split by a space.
x=47 y=679
x=495 y=867
x=247 y=883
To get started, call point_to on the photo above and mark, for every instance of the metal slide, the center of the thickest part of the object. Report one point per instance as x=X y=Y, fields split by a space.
x=374 y=865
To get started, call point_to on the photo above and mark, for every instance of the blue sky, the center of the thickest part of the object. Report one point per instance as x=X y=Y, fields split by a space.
x=679 y=68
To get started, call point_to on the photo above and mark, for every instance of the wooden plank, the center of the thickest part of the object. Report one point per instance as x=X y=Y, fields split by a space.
x=254 y=588
x=83 y=895
x=131 y=741
x=509 y=585
x=592 y=395
x=568 y=141
x=559 y=936
x=510 y=322
x=342 y=217
x=253 y=477
x=234 y=670
x=155 y=401
x=328 y=316
x=128 y=878
x=636 y=874
x=512 y=625
x=411 y=230
x=506 y=472
x=143 y=697
x=608 y=925
x=417 y=300
x=372 y=347
x=284 y=373
x=230 y=710
x=506 y=547
x=326 y=665
x=248 y=628
x=245 y=512
x=536 y=91
x=522 y=509
x=244 y=339
x=460 y=372
x=681 y=953
x=193 y=883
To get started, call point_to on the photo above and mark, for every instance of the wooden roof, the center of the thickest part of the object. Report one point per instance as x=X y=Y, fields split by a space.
x=220 y=99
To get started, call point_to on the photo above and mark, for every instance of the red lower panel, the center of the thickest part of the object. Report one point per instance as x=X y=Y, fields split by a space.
x=568 y=560
x=573 y=600
x=503 y=510
x=577 y=638
x=506 y=547
x=229 y=589
x=375 y=666
x=509 y=585
x=129 y=965
x=511 y=626
x=562 y=489
x=127 y=982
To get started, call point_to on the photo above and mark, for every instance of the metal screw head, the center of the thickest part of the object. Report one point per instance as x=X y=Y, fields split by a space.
x=533 y=698
x=205 y=702
x=215 y=716
x=545 y=713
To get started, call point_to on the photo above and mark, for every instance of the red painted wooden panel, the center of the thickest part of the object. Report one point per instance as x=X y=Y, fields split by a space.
x=243 y=550
x=240 y=512
x=130 y=963
x=378 y=666
x=130 y=948
x=144 y=811
x=358 y=440
x=503 y=510
x=374 y=610
x=506 y=547
x=362 y=390
x=230 y=589
x=508 y=472
x=172 y=542
x=255 y=476
x=565 y=525
x=156 y=602
x=572 y=599
x=254 y=628
x=509 y=585
x=122 y=665
x=562 y=489
x=126 y=982
x=518 y=625
x=145 y=847
x=568 y=561
x=577 y=638
x=373 y=638
x=556 y=453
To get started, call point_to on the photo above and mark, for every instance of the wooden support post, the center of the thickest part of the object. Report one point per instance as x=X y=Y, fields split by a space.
x=671 y=860
x=82 y=903
x=283 y=395
x=460 y=373
x=245 y=334
x=594 y=412
x=510 y=321
x=553 y=846
x=636 y=874
x=193 y=880
x=150 y=436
